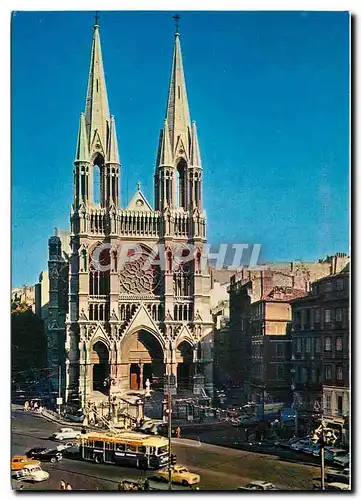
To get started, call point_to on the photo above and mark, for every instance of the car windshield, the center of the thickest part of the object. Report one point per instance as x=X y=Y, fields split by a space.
x=162 y=450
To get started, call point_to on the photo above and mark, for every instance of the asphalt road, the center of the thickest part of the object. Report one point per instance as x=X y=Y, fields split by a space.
x=220 y=468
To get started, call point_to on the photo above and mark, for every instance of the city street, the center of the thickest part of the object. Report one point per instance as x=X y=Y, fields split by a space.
x=220 y=468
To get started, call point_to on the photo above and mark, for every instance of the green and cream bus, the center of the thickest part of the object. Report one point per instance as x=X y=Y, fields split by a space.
x=129 y=448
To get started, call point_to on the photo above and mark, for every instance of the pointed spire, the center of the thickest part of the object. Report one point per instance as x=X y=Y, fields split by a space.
x=195 y=154
x=177 y=112
x=96 y=109
x=82 y=148
x=112 y=153
x=165 y=151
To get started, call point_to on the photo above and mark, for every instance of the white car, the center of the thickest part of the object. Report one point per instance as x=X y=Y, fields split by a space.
x=65 y=446
x=32 y=473
x=257 y=486
x=67 y=433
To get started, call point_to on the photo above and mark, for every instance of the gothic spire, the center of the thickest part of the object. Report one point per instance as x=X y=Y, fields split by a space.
x=96 y=109
x=82 y=148
x=195 y=154
x=112 y=152
x=177 y=113
x=165 y=151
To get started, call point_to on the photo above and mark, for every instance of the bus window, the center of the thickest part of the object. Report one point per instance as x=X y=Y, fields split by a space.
x=152 y=450
x=89 y=443
x=98 y=444
x=142 y=449
x=131 y=448
x=119 y=447
x=161 y=450
x=108 y=445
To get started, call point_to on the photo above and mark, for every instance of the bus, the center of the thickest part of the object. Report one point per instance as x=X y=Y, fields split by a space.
x=130 y=448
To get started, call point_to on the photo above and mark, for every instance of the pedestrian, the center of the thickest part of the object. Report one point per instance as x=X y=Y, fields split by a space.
x=146 y=484
x=62 y=485
x=178 y=432
x=68 y=486
x=26 y=406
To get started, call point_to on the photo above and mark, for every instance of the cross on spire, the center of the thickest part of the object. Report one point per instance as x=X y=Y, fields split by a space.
x=138 y=185
x=96 y=18
x=176 y=18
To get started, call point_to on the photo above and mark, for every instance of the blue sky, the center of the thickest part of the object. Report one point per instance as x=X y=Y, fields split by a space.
x=269 y=92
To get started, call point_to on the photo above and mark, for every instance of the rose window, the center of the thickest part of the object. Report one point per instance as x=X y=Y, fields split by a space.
x=139 y=277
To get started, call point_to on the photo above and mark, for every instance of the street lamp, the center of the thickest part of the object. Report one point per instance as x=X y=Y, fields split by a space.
x=293 y=388
x=324 y=437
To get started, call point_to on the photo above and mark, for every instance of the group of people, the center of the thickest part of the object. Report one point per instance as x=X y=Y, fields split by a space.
x=33 y=406
x=64 y=485
x=133 y=486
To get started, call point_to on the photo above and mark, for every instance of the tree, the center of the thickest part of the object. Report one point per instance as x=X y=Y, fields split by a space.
x=28 y=348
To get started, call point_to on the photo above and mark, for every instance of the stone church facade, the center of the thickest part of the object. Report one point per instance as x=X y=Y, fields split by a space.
x=139 y=288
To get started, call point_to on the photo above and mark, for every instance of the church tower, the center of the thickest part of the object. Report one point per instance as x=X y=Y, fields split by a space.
x=178 y=176
x=133 y=318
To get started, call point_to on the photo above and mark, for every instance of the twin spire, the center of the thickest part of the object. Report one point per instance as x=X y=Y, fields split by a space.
x=97 y=133
x=179 y=136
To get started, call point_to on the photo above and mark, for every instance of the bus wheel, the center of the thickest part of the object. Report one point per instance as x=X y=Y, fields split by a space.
x=185 y=483
x=98 y=459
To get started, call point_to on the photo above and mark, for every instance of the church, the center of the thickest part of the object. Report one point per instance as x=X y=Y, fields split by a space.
x=131 y=318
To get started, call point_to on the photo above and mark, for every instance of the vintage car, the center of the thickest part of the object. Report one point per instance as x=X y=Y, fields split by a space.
x=180 y=475
x=18 y=462
x=44 y=454
x=257 y=486
x=32 y=473
x=67 y=433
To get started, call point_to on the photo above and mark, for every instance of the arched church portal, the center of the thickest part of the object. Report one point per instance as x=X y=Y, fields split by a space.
x=143 y=357
x=100 y=362
x=185 y=367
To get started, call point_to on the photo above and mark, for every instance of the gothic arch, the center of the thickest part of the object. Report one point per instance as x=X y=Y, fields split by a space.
x=99 y=279
x=100 y=365
x=98 y=177
x=181 y=169
x=185 y=366
x=142 y=350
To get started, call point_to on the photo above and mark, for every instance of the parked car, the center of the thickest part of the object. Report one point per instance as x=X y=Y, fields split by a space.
x=45 y=454
x=332 y=453
x=342 y=460
x=32 y=473
x=180 y=475
x=66 y=433
x=257 y=486
x=301 y=444
x=311 y=449
x=18 y=462
x=245 y=420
